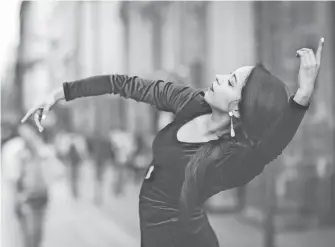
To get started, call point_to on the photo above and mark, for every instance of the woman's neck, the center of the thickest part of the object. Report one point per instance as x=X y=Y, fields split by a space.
x=217 y=124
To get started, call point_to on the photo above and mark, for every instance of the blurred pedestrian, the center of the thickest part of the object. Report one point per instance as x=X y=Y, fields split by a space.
x=7 y=131
x=221 y=138
x=29 y=168
x=62 y=144
x=68 y=154
x=124 y=146
x=75 y=160
x=102 y=156
x=142 y=156
x=13 y=152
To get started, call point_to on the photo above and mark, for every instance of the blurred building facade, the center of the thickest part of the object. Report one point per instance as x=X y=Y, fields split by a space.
x=62 y=41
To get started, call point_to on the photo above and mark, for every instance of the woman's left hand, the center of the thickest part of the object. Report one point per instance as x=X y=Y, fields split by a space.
x=309 y=67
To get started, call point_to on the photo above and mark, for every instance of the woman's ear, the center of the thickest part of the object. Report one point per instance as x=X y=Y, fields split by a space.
x=234 y=108
x=236 y=113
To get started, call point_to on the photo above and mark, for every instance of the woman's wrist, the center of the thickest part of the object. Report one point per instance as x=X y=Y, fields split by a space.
x=303 y=96
x=58 y=94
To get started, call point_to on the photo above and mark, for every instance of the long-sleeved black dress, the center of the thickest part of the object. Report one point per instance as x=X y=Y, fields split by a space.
x=159 y=196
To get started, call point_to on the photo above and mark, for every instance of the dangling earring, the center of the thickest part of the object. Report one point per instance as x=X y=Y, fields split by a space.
x=232 y=131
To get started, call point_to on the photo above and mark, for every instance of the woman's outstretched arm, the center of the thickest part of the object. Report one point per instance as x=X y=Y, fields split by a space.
x=165 y=96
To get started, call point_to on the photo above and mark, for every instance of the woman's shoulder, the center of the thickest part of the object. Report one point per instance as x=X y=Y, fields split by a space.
x=196 y=105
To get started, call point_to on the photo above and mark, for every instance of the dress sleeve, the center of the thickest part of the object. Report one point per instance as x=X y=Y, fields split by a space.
x=165 y=96
x=242 y=164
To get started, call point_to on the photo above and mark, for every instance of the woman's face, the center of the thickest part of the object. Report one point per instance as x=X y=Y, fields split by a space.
x=225 y=92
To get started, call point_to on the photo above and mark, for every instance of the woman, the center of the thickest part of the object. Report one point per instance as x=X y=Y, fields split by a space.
x=220 y=139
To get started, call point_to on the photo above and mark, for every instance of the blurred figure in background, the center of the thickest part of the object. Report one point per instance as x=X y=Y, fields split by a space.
x=29 y=167
x=8 y=131
x=101 y=153
x=62 y=145
x=142 y=156
x=74 y=161
x=13 y=152
x=124 y=146
x=78 y=153
x=72 y=150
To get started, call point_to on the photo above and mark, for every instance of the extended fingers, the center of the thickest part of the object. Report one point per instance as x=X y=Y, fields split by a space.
x=307 y=58
x=319 y=51
x=37 y=119
x=312 y=59
x=29 y=114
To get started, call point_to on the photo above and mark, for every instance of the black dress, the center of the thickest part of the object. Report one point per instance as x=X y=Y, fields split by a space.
x=159 y=196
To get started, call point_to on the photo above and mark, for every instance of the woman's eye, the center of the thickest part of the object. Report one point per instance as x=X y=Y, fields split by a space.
x=229 y=83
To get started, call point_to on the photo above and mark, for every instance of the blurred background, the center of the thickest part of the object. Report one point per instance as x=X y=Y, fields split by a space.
x=84 y=172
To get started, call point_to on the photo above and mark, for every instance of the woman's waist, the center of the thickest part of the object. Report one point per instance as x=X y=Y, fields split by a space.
x=165 y=204
x=157 y=197
x=154 y=216
x=160 y=192
x=157 y=210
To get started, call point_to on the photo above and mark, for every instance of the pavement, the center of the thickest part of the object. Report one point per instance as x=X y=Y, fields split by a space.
x=114 y=223
x=69 y=222
x=77 y=223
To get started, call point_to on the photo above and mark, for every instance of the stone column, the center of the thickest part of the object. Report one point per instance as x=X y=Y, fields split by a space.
x=193 y=22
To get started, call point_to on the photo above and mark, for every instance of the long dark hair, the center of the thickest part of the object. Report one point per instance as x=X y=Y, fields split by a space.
x=263 y=99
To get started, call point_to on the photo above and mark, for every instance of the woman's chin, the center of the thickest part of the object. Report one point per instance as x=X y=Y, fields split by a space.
x=207 y=96
x=206 y=93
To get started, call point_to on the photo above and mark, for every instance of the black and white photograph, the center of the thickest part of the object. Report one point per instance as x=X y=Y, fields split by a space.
x=167 y=123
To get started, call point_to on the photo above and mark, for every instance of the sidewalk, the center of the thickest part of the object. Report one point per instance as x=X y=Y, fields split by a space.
x=76 y=223
x=69 y=223
x=122 y=209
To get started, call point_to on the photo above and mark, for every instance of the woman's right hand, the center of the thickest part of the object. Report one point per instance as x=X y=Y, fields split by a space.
x=41 y=110
x=308 y=73
x=309 y=67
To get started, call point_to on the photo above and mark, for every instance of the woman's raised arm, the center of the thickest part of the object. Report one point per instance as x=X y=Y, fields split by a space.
x=248 y=162
x=242 y=164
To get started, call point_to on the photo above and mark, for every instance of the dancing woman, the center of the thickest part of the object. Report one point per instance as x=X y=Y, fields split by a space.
x=221 y=138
